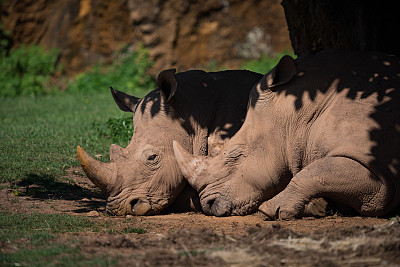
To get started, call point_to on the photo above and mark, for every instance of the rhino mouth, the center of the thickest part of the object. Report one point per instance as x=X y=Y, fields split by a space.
x=129 y=206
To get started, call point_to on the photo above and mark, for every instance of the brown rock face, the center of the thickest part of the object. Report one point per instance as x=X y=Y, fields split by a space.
x=179 y=33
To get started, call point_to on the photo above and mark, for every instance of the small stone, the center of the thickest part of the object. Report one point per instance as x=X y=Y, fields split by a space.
x=93 y=213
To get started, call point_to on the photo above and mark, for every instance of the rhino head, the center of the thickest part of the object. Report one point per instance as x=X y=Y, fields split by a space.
x=231 y=183
x=143 y=178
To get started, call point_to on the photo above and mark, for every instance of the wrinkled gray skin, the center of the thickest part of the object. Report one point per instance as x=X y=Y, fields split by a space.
x=200 y=110
x=326 y=125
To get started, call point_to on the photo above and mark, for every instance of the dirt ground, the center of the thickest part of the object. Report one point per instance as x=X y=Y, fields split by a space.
x=192 y=239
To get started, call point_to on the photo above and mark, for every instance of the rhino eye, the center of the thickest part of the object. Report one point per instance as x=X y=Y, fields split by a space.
x=151 y=157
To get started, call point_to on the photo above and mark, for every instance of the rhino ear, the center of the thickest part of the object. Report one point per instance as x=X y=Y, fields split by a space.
x=124 y=101
x=167 y=83
x=190 y=165
x=283 y=72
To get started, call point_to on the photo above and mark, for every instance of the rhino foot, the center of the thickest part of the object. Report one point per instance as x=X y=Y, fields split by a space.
x=287 y=211
x=283 y=208
x=317 y=207
x=275 y=212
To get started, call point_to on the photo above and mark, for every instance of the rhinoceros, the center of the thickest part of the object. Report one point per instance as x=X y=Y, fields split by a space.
x=326 y=125
x=201 y=110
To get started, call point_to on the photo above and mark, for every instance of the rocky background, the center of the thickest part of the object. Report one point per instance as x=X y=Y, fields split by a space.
x=179 y=33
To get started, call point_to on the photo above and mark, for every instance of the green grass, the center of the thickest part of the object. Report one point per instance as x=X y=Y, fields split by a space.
x=127 y=73
x=38 y=226
x=260 y=65
x=119 y=129
x=129 y=229
x=264 y=64
x=55 y=255
x=39 y=135
x=26 y=70
x=34 y=239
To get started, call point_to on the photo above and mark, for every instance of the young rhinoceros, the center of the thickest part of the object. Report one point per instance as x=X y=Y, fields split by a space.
x=197 y=108
x=326 y=125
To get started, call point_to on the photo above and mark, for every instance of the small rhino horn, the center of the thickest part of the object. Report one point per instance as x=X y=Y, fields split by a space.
x=190 y=165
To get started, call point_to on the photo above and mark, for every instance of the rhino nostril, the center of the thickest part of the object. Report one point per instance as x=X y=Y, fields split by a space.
x=206 y=206
x=133 y=203
x=210 y=202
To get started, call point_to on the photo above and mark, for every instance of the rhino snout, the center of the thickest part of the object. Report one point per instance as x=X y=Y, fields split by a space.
x=218 y=207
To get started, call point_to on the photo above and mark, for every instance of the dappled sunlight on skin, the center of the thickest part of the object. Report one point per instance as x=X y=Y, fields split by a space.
x=350 y=82
x=335 y=107
x=380 y=87
x=152 y=102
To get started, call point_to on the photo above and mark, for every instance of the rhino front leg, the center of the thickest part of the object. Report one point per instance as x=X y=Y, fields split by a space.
x=341 y=179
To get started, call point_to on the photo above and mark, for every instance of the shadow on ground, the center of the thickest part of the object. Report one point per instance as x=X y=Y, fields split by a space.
x=73 y=188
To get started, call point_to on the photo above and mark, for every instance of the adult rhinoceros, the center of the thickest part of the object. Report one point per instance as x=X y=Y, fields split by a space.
x=326 y=125
x=199 y=109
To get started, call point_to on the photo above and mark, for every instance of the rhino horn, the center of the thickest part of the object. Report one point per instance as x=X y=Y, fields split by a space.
x=101 y=174
x=191 y=166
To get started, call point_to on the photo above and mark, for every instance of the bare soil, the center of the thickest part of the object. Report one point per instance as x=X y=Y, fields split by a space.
x=193 y=239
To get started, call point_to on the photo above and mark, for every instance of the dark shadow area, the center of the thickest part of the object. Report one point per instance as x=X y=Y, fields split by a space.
x=188 y=200
x=45 y=187
x=213 y=101
x=316 y=25
x=48 y=187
